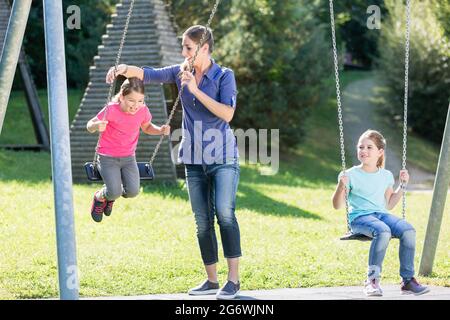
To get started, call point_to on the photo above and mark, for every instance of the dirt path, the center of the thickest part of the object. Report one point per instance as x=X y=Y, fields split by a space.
x=359 y=115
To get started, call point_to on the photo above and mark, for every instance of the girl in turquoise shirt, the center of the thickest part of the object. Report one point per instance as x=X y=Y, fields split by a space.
x=370 y=196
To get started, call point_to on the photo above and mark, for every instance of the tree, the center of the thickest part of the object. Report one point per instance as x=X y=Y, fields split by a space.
x=278 y=52
x=429 y=74
x=81 y=45
x=351 y=27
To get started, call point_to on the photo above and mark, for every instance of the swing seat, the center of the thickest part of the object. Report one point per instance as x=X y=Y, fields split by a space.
x=355 y=236
x=92 y=173
x=145 y=171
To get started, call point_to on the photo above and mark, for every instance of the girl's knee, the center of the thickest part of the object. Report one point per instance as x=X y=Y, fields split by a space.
x=113 y=194
x=382 y=231
x=409 y=237
x=408 y=228
x=405 y=229
x=130 y=193
x=382 y=239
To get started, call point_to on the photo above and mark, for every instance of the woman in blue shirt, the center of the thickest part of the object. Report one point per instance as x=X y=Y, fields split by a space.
x=370 y=196
x=208 y=150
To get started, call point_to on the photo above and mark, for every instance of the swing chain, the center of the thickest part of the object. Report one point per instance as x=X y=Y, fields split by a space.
x=113 y=83
x=180 y=92
x=339 y=105
x=405 y=105
x=119 y=53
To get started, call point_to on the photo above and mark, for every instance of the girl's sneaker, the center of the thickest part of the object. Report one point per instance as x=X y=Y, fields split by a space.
x=372 y=288
x=108 y=207
x=97 y=209
x=413 y=287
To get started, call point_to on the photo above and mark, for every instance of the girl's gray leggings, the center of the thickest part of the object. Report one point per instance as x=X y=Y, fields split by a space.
x=120 y=175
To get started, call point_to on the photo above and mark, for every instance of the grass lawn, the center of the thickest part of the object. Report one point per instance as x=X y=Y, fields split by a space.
x=18 y=128
x=289 y=230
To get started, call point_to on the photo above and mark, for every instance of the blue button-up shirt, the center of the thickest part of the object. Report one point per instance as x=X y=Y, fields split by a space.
x=206 y=139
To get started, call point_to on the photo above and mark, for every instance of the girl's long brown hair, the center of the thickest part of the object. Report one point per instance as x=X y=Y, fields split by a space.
x=379 y=141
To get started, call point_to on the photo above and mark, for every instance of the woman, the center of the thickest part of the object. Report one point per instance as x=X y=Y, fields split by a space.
x=208 y=150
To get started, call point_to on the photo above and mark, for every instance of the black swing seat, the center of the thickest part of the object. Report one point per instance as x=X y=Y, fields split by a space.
x=145 y=171
x=355 y=236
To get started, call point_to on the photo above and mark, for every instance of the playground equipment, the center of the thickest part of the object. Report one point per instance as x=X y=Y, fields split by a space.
x=150 y=40
x=59 y=125
x=440 y=190
x=146 y=171
x=350 y=235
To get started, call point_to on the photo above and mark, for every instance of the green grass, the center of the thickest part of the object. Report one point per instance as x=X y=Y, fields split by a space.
x=289 y=230
x=18 y=128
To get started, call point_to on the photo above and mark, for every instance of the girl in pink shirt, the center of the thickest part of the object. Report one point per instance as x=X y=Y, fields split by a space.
x=119 y=124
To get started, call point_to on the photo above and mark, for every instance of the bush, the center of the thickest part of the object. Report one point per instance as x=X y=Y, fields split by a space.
x=429 y=74
x=443 y=13
x=80 y=45
x=279 y=53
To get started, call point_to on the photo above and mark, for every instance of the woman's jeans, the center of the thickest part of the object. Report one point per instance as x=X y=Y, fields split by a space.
x=381 y=227
x=212 y=191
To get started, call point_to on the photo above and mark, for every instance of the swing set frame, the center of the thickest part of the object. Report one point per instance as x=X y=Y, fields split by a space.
x=60 y=142
x=350 y=235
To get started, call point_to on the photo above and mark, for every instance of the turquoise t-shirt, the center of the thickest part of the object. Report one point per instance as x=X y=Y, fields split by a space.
x=367 y=191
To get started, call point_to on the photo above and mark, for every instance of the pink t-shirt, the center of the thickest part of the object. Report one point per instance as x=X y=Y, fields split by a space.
x=122 y=131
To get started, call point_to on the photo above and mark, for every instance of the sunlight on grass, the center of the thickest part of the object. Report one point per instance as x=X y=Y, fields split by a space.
x=289 y=231
x=18 y=127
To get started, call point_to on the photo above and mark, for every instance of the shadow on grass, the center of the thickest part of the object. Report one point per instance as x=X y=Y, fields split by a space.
x=305 y=170
x=34 y=167
x=254 y=200
x=249 y=197
x=25 y=166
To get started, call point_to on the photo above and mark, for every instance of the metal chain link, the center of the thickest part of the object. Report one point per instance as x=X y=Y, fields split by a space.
x=180 y=92
x=405 y=105
x=113 y=84
x=339 y=105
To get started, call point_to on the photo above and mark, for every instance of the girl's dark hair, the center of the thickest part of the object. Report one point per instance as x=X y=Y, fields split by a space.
x=130 y=85
x=195 y=33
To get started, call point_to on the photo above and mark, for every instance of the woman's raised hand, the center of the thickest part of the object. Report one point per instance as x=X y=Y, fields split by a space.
x=112 y=73
x=188 y=79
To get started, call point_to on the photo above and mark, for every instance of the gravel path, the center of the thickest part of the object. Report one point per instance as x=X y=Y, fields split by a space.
x=359 y=115
x=390 y=292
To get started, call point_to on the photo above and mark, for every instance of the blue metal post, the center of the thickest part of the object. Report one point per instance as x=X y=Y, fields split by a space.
x=11 y=51
x=60 y=148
